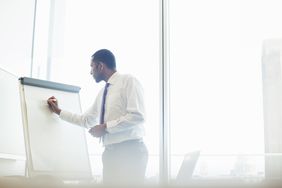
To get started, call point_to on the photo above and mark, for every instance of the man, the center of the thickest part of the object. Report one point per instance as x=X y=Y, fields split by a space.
x=120 y=108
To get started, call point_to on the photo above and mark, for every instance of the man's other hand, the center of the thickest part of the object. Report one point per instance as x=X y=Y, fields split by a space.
x=98 y=130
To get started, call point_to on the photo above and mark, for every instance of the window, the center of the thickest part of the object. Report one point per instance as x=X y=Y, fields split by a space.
x=132 y=36
x=216 y=88
x=16 y=46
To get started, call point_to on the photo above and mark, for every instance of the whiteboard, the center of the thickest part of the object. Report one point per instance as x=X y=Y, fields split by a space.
x=11 y=129
x=55 y=147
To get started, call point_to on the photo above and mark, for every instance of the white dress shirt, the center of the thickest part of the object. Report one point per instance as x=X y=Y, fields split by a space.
x=124 y=110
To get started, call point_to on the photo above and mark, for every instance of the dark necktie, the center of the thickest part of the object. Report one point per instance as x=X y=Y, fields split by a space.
x=103 y=107
x=103 y=103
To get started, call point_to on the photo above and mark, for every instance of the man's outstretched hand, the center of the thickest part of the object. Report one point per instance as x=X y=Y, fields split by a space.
x=53 y=105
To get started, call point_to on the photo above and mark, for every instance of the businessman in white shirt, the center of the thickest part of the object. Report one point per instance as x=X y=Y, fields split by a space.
x=119 y=109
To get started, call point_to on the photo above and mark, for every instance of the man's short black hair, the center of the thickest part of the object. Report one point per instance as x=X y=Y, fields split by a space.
x=105 y=56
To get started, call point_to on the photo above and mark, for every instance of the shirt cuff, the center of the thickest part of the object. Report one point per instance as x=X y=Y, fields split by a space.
x=111 y=125
x=64 y=115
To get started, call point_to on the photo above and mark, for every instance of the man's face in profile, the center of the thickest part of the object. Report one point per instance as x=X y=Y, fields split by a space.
x=96 y=70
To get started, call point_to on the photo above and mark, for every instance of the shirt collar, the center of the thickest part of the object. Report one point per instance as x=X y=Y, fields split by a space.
x=112 y=80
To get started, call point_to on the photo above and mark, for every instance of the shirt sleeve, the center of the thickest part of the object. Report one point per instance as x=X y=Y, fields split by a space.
x=135 y=111
x=86 y=120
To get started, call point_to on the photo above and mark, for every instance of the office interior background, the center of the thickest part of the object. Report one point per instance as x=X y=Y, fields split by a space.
x=199 y=61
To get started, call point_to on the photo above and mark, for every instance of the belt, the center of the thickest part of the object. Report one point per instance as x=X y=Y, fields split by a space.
x=109 y=146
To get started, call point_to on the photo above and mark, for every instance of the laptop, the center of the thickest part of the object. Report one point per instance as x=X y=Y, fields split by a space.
x=187 y=167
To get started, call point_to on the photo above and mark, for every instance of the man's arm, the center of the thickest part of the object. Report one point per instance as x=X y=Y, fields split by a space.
x=86 y=120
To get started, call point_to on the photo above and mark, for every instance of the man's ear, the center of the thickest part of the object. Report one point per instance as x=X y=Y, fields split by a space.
x=100 y=65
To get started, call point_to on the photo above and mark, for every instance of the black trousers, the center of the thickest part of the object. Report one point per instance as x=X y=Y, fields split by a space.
x=125 y=163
